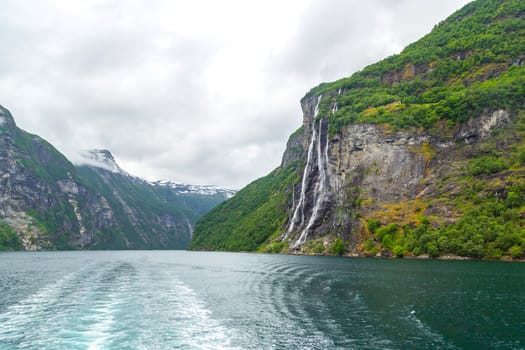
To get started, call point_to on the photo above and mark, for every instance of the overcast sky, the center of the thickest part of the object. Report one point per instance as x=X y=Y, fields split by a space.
x=200 y=91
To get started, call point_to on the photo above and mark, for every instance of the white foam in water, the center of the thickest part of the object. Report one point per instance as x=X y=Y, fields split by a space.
x=60 y=314
x=427 y=332
x=201 y=331
x=111 y=307
x=18 y=320
x=174 y=316
x=101 y=320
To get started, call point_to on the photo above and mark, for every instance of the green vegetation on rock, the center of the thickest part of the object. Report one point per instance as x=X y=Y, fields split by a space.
x=483 y=199
x=8 y=238
x=337 y=247
x=151 y=205
x=246 y=221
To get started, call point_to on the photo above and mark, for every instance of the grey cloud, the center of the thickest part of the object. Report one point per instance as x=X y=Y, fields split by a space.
x=339 y=37
x=111 y=74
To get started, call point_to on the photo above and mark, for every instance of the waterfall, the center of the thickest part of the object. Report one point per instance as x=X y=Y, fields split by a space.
x=298 y=214
x=334 y=108
x=190 y=227
x=316 y=168
x=320 y=185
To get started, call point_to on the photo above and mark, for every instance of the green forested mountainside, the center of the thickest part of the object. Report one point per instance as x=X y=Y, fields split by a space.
x=470 y=62
x=245 y=221
x=471 y=199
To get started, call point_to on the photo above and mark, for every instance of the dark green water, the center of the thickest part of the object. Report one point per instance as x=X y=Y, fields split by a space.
x=183 y=300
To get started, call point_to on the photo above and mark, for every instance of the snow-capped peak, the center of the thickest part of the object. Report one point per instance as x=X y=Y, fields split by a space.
x=100 y=158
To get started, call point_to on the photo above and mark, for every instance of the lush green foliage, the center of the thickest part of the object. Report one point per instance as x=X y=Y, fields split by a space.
x=471 y=62
x=8 y=238
x=53 y=221
x=47 y=165
x=251 y=217
x=275 y=247
x=487 y=165
x=490 y=230
x=337 y=247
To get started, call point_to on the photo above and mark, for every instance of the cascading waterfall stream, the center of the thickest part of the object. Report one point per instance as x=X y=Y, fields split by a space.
x=316 y=166
x=299 y=209
x=320 y=185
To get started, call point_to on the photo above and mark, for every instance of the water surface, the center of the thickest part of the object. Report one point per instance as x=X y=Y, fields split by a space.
x=193 y=300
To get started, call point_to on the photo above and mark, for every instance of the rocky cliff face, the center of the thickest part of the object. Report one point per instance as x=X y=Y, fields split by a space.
x=361 y=171
x=28 y=189
x=51 y=204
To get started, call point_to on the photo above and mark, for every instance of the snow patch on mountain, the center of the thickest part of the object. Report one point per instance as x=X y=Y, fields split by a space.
x=195 y=189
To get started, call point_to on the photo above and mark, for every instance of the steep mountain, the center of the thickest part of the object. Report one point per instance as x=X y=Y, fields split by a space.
x=157 y=214
x=422 y=153
x=48 y=203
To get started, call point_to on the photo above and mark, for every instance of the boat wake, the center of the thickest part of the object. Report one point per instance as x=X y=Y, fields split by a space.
x=112 y=306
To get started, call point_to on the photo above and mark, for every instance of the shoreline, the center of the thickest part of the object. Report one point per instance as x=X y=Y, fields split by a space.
x=408 y=257
x=348 y=255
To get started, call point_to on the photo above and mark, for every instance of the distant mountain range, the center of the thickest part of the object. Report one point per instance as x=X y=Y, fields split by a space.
x=103 y=159
x=46 y=202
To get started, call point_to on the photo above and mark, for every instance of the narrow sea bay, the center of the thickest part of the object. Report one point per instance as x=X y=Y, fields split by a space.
x=194 y=300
